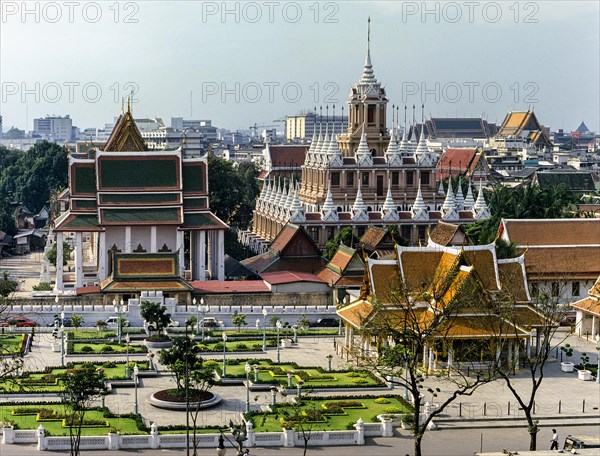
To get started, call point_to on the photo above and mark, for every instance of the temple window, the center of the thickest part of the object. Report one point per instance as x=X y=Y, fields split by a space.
x=575 y=289
x=335 y=179
x=410 y=179
x=395 y=178
x=350 y=180
x=425 y=178
x=365 y=179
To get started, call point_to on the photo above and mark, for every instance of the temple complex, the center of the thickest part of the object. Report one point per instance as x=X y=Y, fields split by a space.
x=138 y=219
x=365 y=176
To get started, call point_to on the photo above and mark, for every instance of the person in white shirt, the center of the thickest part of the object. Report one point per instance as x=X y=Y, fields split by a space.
x=554 y=441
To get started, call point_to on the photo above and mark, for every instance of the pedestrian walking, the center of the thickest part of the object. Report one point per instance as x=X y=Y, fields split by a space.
x=554 y=441
x=247 y=452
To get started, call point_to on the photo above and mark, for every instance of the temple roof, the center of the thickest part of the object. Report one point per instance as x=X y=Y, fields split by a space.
x=546 y=232
x=125 y=136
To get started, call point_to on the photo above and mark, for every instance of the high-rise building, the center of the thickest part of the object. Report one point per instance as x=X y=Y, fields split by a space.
x=54 y=128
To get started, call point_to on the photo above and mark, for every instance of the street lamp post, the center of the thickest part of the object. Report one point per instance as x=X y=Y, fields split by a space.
x=273 y=395
x=187 y=390
x=119 y=309
x=278 y=325
x=136 y=372
x=255 y=367
x=329 y=358
x=224 y=337
x=290 y=375
x=264 y=312
x=295 y=329
x=149 y=358
x=299 y=388
x=62 y=345
x=248 y=369
x=221 y=450
x=204 y=309
x=127 y=340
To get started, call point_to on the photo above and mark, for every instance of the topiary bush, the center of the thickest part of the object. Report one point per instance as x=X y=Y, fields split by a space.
x=241 y=347
x=109 y=365
x=86 y=349
x=392 y=409
x=382 y=400
x=107 y=349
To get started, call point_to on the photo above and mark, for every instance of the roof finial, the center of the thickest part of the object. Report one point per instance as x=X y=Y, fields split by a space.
x=129 y=103
x=122 y=105
x=369 y=35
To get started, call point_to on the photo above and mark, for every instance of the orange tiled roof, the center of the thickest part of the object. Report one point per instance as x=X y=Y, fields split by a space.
x=372 y=237
x=595 y=291
x=418 y=267
x=329 y=276
x=384 y=280
x=356 y=313
x=512 y=279
x=588 y=305
x=526 y=316
x=443 y=233
x=553 y=231
x=477 y=326
x=342 y=258
x=485 y=266
x=454 y=288
x=561 y=262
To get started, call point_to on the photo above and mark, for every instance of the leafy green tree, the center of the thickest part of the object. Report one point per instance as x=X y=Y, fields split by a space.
x=77 y=321
x=183 y=351
x=345 y=236
x=7 y=217
x=81 y=387
x=238 y=320
x=7 y=286
x=66 y=254
x=14 y=133
x=155 y=315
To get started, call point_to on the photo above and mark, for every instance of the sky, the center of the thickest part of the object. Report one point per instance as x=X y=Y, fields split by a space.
x=240 y=63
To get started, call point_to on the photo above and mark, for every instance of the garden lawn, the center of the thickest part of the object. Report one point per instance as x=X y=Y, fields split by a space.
x=311 y=377
x=271 y=422
x=54 y=427
x=10 y=344
x=235 y=345
x=47 y=382
x=98 y=347
x=92 y=334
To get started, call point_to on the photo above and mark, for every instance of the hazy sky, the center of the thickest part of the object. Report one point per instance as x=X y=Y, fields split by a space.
x=248 y=62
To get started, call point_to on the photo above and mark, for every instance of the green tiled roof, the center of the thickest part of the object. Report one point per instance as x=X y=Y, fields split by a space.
x=83 y=204
x=204 y=220
x=140 y=215
x=130 y=173
x=82 y=221
x=107 y=198
x=193 y=178
x=194 y=203
x=574 y=181
x=85 y=179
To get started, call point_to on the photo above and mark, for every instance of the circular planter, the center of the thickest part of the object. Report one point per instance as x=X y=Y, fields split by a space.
x=158 y=344
x=584 y=375
x=567 y=367
x=160 y=400
x=286 y=343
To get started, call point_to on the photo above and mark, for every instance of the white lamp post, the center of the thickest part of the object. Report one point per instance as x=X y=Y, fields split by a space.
x=136 y=372
x=62 y=344
x=150 y=364
x=295 y=329
x=278 y=325
x=255 y=367
x=224 y=337
x=299 y=388
x=248 y=369
x=329 y=358
x=264 y=312
x=204 y=309
x=127 y=340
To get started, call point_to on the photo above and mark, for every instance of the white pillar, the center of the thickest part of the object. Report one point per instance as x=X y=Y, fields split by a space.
x=220 y=260
x=78 y=260
x=430 y=363
x=517 y=344
x=210 y=253
x=594 y=319
x=200 y=255
x=59 y=262
x=127 y=239
x=498 y=352
x=450 y=357
x=180 y=249
x=102 y=256
x=153 y=247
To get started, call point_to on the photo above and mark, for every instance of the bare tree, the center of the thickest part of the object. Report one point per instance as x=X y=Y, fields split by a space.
x=11 y=360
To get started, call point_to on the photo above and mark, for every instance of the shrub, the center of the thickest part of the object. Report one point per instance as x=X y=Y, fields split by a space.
x=42 y=286
x=241 y=347
x=48 y=378
x=351 y=404
x=353 y=374
x=382 y=400
x=211 y=363
x=87 y=349
x=218 y=346
x=271 y=343
x=232 y=362
x=392 y=409
x=333 y=408
x=109 y=365
x=257 y=347
x=360 y=381
x=107 y=349
x=202 y=347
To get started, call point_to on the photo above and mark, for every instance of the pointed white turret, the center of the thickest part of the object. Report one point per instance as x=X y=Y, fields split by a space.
x=311 y=150
x=329 y=211
x=460 y=199
x=368 y=76
x=449 y=211
x=359 y=210
x=263 y=196
x=288 y=201
x=403 y=147
x=318 y=146
x=389 y=212
x=321 y=157
x=441 y=190
x=392 y=154
x=419 y=209
x=481 y=210
x=422 y=156
x=334 y=155
x=469 y=200
x=363 y=154
x=297 y=214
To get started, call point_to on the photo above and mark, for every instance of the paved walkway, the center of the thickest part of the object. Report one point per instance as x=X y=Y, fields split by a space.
x=311 y=351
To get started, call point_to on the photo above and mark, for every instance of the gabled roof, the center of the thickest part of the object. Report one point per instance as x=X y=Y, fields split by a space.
x=589 y=305
x=230 y=287
x=582 y=128
x=233 y=268
x=517 y=122
x=575 y=181
x=126 y=136
x=443 y=233
x=281 y=277
x=286 y=156
x=458 y=162
x=372 y=237
x=545 y=232
x=513 y=277
x=293 y=241
x=563 y=262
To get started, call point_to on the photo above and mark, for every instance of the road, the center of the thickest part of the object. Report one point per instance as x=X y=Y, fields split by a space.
x=461 y=442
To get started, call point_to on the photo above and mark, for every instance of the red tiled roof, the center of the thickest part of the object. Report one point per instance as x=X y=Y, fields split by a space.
x=276 y=278
x=287 y=156
x=234 y=286
x=457 y=161
x=574 y=231
x=87 y=290
x=588 y=306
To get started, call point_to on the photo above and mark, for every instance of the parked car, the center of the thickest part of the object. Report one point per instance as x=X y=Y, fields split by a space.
x=66 y=322
x=150 y=326
x=327 y=322
x=209 y=322
x=19 y=322
x=114 y=321
x=572 y=443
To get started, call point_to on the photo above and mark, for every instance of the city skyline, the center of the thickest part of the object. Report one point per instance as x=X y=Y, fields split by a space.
x=259 y=63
